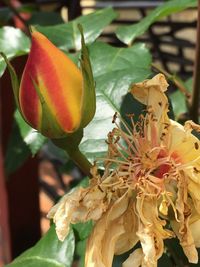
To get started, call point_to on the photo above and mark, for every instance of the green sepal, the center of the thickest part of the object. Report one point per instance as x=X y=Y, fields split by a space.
x=88 y=105
x=48 y=124
x=14 y=80
x=70 y=142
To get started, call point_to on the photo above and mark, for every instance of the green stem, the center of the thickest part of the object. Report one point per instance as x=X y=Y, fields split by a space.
x=80 y=160
x=194 y=114
x=70 y=144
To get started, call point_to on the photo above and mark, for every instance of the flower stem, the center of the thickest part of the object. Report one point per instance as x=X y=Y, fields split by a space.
x=70 y=144
x=194 y=105
x=80 y=160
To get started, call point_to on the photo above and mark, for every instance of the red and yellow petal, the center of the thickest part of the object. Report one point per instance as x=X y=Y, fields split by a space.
x=59 y=82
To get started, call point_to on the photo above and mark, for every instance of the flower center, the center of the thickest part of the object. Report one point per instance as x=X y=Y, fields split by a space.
x=166 y=166
x=163 y=168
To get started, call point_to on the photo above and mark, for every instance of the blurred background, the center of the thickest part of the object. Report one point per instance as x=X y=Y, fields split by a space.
x=171 y=41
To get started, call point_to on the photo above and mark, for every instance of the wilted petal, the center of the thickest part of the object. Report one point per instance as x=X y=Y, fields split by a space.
x=181 y=227
x=101 y=244
x=151 y=232
x=129 y=238
x=194 y=226
x=194 y=189
x=151 y=93
x=78 y=206
x=63 y=211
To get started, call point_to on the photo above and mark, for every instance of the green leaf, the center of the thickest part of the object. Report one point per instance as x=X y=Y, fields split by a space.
x=17 y=151
x=80 y=251
x=83 y=229
x=67 y=36
x=13 y=42
x=127 y=34
x=48 y=252
x=44 y=18
x=178 y=99
x=115 y=69
x=106 y=58
x=23 y=142
x=33 y=139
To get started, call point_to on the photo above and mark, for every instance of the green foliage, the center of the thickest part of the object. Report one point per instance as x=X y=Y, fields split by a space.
x=23 y=142
x=48 y=252
x=17 y=151
x=13 y=42
x=115 y=69
x=67 y=36
x=33 y=139
x=45 y=18
x=127 y=34
x=178 y=100
x=83 y=229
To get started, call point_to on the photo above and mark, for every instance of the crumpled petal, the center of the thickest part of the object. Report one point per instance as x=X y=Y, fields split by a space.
x=151 y=93
x=101 y=244
x=62 y=213
x=181 y=227
x=80 y=205
x=129 y=238
x=151 y=232
x=194 y=228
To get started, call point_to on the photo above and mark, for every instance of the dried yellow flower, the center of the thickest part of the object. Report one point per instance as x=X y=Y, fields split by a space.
x=149 y=191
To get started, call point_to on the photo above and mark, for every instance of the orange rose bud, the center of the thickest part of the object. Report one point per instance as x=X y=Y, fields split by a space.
x=51 y=90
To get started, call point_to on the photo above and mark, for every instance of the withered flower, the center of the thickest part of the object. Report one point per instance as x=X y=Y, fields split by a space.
x=150 y=190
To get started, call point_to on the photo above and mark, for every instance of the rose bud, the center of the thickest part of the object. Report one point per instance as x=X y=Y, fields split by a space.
x=51 y=94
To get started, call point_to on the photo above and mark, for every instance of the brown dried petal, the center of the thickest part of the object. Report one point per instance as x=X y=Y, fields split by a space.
x=181 y=227
x=129 y=238
x=78 y=206
x=101 y=243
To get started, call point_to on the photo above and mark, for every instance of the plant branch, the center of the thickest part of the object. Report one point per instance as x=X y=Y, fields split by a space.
x=80 y=160
x=194 y=105
x=175 y=80
x=70 y=144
